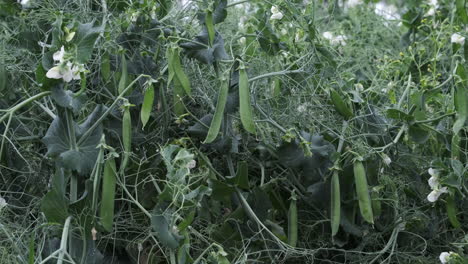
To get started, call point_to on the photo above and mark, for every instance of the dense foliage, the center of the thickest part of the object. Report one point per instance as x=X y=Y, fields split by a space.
x=248 y=131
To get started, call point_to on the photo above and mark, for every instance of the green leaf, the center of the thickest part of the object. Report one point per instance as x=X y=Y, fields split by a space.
x=200 y=128
x=290 y=154
x=219 y=112
x=162 y=224
x=267 y=38
x=85 y=38
x=67 y=99
x=58 y=140
x=399 y=115
x=200 y=49
x=219 y=12
x=242 y=176
x=147 y=105
x=245 y=106
x=108 y=194
x=54 y=205
x=418 y=133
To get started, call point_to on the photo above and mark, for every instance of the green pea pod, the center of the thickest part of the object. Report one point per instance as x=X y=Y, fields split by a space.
x=3 y=77
x=210 y=26
x=147 y=105
x=335 y=203
x=245 y=108
x=105 y=66
x=126 y=137
x=292 y=222
x=455 y=150
x=108 y=194
x=124 y=75
x=218 y=115
x=376 y=204
x=362 y=191
x=179 y=72
x=452 y=212
x=341 y=106
x=460 y=98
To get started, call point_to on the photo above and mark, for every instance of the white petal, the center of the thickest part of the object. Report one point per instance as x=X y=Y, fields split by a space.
x=276 y=16
x=54 y=73
x=443 y=257
x=433 y=172
x=68 y=75
x=433 y=196
x=457 y=38
x=3 y=203
x=433 y=182
x=58 y=56
x=274 y=9
x=443 y=190
x=327 y=35
x=242 y=40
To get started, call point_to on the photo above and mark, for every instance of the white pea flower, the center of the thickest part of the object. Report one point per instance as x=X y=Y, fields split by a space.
x=242 y=41
x=352 y=3
x=3 y=203
x=66 y=71
x=433 y=6
x=457 y=39
x=58 y=56
x=276 y=14
x=435 y=194
x=335 y=40
x=24 y=3
x=284 y=32
x=191 y=164
x=386 y=159
x=389 y=12
x=444 y=257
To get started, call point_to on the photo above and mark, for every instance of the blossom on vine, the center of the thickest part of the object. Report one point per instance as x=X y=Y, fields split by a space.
x=335 y=40
x=457 y=39
x=276 y=14
x=65 y=70
x=434 y=183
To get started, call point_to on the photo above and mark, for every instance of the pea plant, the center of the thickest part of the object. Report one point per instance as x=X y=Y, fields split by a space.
x=248 y=131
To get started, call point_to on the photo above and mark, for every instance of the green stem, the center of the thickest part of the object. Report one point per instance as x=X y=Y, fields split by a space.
x=107 y=112
x=24 y=103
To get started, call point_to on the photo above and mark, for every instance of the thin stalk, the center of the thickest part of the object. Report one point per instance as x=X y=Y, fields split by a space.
x=107 y=112
x=24 y=103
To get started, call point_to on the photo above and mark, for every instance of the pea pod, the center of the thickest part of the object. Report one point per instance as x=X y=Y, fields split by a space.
x=335 y=203
x=218 y=115
x=452 y=212
x=179 y=73
x=341 y=105
x=455 y=150
x=108 y=194
x=210 y=26
x=105 y=66
x=124 y=75
x=376 y=204
x=460 y=100
x=362 y=190
x=147 y=105
x=292 y=222
x=245 y=108
x=3 y=77
x=126 y=136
